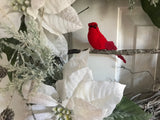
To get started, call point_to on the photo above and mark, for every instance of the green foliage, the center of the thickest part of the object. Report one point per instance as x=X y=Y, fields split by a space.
x=10 y=53
x=128 y=110
x=153 y=10
x=1 y=51
x=29 y=58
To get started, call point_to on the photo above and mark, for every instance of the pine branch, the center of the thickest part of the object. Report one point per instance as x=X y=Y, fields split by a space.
x=118 y=52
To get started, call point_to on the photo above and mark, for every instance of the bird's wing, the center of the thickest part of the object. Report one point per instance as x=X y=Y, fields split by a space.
x=110 y=45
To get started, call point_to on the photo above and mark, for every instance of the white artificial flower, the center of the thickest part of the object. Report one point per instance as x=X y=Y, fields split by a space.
x=8 y=17
x=77 y=92
x=56 y=17
x=11 y=98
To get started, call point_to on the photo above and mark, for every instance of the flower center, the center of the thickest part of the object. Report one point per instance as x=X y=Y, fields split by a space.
x=21 y=5
x=62 y=113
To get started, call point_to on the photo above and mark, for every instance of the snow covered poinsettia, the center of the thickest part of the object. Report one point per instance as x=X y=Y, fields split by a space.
x=77 y=96
x=55 y=16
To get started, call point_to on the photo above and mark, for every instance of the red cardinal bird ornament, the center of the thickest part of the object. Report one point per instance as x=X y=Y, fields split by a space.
x=98 y=41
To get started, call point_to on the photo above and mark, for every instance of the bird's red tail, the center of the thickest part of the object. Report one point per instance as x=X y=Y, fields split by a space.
x=122 y=58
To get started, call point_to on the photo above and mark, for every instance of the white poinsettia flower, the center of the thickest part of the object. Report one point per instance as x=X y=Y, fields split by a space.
x=8 y=17
x=78 y=96
x=47 y=10
x=56 y=17
x=63 y=22
x=56 y=43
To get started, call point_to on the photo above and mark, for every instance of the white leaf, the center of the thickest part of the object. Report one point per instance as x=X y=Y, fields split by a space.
x=102 y=94
x=75 y=71
x=32 y=12
x=84 y=110
x=42 y=99
x=36 y=4
x=64 y=22
x=40 y=113
x=44 y=95
x=9 y=19
x=67 y=86
x=26 y=89
x=48 y=90
x=56 y=6
x=5 y=4
x=43 y=116
x=77 y=62
x=57 y=44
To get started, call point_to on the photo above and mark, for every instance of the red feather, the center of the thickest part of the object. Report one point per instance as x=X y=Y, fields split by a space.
x=98 y=41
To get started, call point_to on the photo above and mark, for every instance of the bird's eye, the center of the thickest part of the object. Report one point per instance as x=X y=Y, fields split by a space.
x=95 y=26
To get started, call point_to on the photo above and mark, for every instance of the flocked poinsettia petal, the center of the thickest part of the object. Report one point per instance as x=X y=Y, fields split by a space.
x=102 y=94
x=83 y=110
x=42 y=99
x=57 y=43
x=4 y=3
x=26 y=89
x=77 y=62
x=67 y=86
x=74 y=72
x=40 y=116
x=56 y=6
x=32 y=12
x=64 y=22
x=8 y=19
x=48 y=90
x=40 y=113
x=37 y=4
x=44 y=95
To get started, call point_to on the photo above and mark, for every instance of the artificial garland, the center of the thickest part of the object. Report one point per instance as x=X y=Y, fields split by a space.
x=31 y=35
